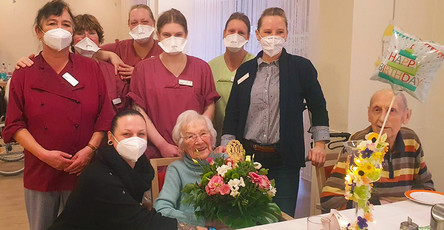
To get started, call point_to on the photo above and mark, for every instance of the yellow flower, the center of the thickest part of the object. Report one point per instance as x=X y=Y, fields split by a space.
x=372 y=137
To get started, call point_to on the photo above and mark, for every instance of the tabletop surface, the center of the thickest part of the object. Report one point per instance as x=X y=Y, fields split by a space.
x=387 y=216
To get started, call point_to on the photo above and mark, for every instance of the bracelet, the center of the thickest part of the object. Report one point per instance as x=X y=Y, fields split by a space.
x=94 y=148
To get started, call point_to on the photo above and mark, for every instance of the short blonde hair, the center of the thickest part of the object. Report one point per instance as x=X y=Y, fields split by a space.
x=183 y=120
x=272 y=11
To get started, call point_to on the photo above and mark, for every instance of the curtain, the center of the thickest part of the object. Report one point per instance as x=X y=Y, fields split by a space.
x=207 y=23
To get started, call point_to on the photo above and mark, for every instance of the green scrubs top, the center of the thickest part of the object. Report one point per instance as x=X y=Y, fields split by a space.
x=223 y=79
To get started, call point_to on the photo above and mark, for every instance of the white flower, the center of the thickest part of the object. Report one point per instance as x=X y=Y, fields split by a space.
x=222 y=170
x=257 y=165
x=272 y=191
x=234 y=193
x=234 y=186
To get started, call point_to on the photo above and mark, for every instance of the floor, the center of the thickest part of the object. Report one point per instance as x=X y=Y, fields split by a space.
x=12 y=203
x=13 y=212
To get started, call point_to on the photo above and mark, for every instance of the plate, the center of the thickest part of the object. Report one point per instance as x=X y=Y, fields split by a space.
x=425 y=196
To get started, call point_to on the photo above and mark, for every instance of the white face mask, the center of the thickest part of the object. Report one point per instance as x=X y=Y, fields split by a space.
x=131 y=148
x=86 y=47
x=141 y=33
x=234 y=42
x=173 y=45
x=57 y=39
x=272 y=45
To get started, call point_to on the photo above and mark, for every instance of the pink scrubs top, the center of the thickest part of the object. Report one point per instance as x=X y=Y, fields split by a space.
x=58 y=115
x=164 y=96
x=125 y=50
x=116 y=87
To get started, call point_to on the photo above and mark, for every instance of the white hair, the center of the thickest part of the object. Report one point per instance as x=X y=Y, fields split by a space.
x=183 y=120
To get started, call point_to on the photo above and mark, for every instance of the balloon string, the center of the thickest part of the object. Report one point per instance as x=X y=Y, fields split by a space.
x=386 y=117
x=394 y=7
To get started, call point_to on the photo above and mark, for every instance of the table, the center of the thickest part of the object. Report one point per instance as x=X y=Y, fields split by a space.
x=388 y=216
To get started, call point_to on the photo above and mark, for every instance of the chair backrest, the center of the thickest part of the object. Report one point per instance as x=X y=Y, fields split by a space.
x=322 y=173
x=157 y=182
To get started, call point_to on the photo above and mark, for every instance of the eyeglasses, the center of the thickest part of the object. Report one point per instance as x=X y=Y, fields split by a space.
x=193 y=136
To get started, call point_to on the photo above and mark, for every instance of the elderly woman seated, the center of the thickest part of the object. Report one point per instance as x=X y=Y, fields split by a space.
x=195 y=136
x=109 y=192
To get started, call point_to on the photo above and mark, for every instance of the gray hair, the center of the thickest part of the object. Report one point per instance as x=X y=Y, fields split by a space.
x=183 y=120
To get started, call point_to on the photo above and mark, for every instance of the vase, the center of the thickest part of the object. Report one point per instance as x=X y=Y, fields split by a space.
x=352 y=153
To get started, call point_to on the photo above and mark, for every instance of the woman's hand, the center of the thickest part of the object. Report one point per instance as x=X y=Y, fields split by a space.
x=317 y=154
x=56 y=159
x=220 y=149
x=169 y=150
x=80 y=160
x=125 y=71
x=24 y=62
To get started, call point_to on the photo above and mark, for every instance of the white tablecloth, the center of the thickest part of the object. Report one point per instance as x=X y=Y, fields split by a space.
x=387 y=216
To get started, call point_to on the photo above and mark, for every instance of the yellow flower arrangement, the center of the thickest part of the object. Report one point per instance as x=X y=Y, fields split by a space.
x=364 y=166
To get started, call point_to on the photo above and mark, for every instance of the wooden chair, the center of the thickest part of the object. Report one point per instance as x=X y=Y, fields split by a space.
x=321 y=175
x=156 y=185
x=285 y=217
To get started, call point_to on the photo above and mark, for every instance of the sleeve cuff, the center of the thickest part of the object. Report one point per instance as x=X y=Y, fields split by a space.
x=226 y=138
x=320 y=133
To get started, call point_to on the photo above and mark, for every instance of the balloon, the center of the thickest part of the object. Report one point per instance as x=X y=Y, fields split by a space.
x=410 y=64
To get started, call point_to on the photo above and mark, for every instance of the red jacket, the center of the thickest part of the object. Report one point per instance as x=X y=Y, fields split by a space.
x=58 y=115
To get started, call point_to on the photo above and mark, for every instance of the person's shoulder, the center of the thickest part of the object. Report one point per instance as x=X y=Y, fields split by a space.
x=410 y=137
x=216 y=61
x=360 y=135
x=196 y=60
x=296 y=58
x=77 y=58
x=177 y=164
x=249 y=56
x=149 y=62
x=95 y=176
x=248 y=65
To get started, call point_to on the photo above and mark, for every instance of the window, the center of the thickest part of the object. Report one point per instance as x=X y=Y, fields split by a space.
x=208 y=19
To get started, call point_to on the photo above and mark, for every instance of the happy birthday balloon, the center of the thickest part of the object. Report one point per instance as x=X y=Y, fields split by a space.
x=410 y=64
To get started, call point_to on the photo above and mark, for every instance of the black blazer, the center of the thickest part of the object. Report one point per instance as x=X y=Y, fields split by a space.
x=108 y=196
x=298 y=81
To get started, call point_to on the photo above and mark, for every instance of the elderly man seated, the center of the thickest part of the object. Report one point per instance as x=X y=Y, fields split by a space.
x=403 y=167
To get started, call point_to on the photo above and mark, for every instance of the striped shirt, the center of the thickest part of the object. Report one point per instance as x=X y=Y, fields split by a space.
x=403 y=169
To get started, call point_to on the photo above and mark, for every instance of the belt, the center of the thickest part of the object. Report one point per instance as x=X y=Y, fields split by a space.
x=272 y=148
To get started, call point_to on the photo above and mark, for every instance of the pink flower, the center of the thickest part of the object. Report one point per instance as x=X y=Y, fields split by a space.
x=217 y=185
x=261 y=180
x=224 y=189
x=229 y=160
x=210 y=160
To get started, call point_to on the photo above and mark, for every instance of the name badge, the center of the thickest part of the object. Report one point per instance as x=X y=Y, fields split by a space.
x=117 y=101
x=232 y=79
x=247 y=75
x=185 y=82
x=70 y=79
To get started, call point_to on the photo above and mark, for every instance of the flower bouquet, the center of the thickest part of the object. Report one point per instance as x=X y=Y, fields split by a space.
x=235 y=191
x=364 y=166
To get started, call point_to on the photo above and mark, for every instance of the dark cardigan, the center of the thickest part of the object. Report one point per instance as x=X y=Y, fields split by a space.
x=298 y=81
x=108 y=195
